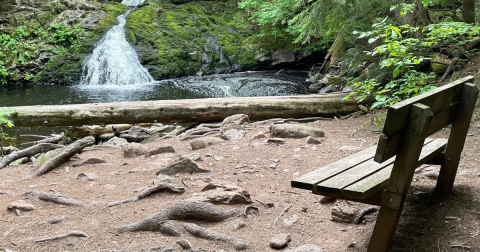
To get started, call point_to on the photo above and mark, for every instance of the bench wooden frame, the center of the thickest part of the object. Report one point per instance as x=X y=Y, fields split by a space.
x=383 y=177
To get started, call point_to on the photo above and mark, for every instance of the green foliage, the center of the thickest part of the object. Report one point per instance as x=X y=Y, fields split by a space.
x=5 y=122
x=64 y=35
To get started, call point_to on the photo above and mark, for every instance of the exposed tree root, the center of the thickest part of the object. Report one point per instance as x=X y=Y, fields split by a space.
x=204 y=233
x=55 y=198
x=62 y=157
x=161 y=187
x=58 y=237
x=181 y=211
x=28 y=152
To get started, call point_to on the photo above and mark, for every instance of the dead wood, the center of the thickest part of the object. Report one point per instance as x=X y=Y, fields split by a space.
x=55 y=198
x=283 y=212
x=188 y=210
x=28 y=152
x=364 y=212
x=158 y=188
x=93 y=130
x=204 y=233
x=58 y=237
x=52 y=140
x=62 y=157
x=450 y=69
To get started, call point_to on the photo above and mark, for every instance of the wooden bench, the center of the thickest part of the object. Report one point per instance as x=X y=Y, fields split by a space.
x=381 y=175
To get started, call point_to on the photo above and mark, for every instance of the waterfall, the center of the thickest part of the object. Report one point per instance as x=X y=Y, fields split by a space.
x=114 y=61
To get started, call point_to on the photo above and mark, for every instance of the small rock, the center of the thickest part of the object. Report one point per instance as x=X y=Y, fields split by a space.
x=161 y=178
x=87 y=176
x=349 y=148
x=20 y=205
x=280 y=241
x=232 y=132
x=294 y=131
x=203 y=142
x=307 y=248
x=184 y=244
x=259 y=135
x=89 y=161
x=220 y=192
x=431 y=175
x=133 y=150
x=276 y=141
x=238 y=119
x=326 y=199
x=312 y=140
x=116 y=141
x=182 y=166
x=160 y=149
x=288 y=222
x=218 y=158
x=273 y=166
x=238 y=224
x=193 y=156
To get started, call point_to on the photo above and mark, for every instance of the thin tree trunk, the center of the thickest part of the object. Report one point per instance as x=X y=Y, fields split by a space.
x=469 y=11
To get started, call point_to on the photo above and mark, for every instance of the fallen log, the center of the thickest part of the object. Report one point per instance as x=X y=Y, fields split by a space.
x=180 y=111
x=62 y=157
x=28 y=152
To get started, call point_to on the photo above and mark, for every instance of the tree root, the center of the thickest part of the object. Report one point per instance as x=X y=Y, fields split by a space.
x=28 y=152
x=58 y=237
x=188 y=210
x=62 y=157
x=161 y=187
x=204 y=233
x=55 y=198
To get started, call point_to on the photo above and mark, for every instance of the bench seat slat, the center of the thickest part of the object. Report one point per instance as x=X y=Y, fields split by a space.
x=308 y=180
x=376 y=182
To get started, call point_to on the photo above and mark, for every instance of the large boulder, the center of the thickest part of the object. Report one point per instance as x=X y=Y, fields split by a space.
x=238 y=119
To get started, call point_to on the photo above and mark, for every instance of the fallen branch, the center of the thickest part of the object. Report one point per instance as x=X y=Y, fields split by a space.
x=62 y=157
x=181 y=211
x=58 y=237
x=283 y=212
x=364 y=212
x=161 y=187
x=28 y=152
x=204 y=233
x=450 y=69
x=52 y=140
x=55 y=198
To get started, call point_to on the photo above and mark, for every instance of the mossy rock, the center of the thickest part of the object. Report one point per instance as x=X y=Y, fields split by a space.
x=441 y=67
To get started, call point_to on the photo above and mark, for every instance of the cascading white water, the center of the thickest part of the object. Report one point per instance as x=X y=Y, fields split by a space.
x=114 y=61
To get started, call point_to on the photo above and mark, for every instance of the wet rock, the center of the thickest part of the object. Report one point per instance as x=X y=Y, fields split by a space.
x=219 y=192
x=78 y=5
x=92 y=20
x=307 y=248
x=312 y=140
x=20 y=205
x=238 y=119
x=203 y=142
x=104 y=137
x=328 y=89
x=294 y=131
x=259 y=135
x=280 y=241
x=238 y=224
x=116 y=141
x=313 y=88
x=133 y=150
x=232 y=132
x=282 y=56
x=135 y=134
x=160 y=149
x=89 y=161
x=69 y=17
x=348 y=88
x=288 y=222
x=276 y=141
x=183 y=166
x=87 y=176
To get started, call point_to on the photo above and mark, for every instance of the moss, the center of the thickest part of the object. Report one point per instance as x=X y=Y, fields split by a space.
x=336 y=81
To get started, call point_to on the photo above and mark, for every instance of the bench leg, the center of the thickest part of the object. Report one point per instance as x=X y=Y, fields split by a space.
x=446 y=178
x=384 y=230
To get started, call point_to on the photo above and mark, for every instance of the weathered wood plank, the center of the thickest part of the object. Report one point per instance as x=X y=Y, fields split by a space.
x=308 y=180
x=456 y=140
x=178 y=111
x=388 y=146
x=368 y=186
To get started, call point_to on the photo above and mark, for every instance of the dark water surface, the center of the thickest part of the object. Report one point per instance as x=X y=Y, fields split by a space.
x=227 y=85
x=239 y=85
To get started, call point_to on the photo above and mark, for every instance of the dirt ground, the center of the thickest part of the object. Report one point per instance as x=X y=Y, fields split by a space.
x=426 y=225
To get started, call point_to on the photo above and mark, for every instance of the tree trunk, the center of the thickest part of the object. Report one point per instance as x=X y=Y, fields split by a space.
x=469 y=11
x=181 y=111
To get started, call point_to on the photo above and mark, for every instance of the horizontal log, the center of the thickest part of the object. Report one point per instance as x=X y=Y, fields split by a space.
x=182 y=111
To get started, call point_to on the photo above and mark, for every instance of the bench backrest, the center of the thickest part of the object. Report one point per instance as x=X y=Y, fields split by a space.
x=444 y=103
